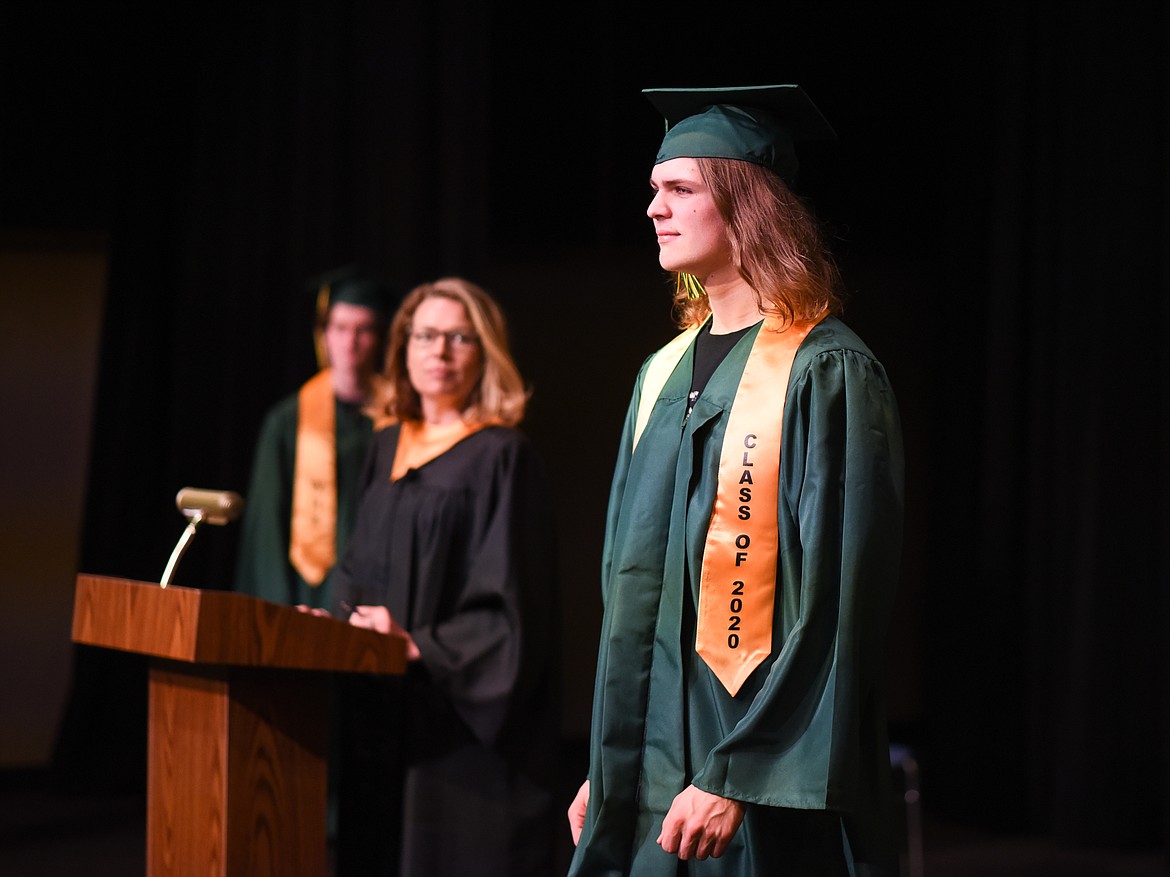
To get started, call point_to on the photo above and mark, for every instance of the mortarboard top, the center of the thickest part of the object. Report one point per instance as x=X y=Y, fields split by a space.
x=760 y=124
x=351 y=285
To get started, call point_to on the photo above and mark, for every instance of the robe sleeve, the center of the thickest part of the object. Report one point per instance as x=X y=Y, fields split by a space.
x=354 y=437
x=621 y=474
x=262 y=566
x=344 y=588
x=815 y=721
x=488 y=652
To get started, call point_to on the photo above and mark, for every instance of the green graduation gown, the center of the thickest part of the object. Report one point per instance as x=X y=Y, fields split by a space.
x=262 y=565
x=803 y=743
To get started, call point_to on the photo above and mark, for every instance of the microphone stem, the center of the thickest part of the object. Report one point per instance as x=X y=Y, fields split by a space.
x=180 y=549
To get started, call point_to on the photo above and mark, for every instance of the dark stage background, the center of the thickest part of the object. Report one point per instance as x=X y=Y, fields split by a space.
x=999 y=200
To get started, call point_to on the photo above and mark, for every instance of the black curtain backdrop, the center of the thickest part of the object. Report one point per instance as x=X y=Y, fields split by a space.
x=999 y=200
x=1048 y=603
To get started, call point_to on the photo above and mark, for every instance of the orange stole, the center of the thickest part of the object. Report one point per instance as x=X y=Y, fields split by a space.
x=312 y=546
x=419 y=443
x=737 y=587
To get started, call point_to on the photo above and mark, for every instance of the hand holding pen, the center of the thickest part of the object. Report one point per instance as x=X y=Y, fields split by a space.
x=378 y=618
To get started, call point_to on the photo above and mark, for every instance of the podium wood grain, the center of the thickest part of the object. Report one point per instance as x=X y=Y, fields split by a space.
x=221 y=627
x=239 y=700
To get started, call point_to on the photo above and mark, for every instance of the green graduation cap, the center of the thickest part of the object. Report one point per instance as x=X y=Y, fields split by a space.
x=352 y=285
x=760 y=124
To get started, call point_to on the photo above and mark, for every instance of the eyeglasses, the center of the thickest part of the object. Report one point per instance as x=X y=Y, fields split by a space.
x=430 y=337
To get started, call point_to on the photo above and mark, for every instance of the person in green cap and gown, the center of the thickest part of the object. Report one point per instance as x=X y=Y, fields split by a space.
x=302 y=495
x=753 y=536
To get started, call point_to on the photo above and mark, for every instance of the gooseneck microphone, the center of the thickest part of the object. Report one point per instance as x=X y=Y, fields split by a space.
x=198 y=506
x=215 y=506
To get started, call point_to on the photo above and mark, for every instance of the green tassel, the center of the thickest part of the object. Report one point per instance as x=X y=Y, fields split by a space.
x=691 y=284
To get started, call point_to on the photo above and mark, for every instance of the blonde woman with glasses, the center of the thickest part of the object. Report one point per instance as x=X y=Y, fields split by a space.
x=449 y=769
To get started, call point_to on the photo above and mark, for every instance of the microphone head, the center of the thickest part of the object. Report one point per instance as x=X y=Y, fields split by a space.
x=209 y=506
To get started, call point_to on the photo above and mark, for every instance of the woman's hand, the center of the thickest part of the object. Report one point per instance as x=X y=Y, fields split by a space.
x=321 y=613
x=372 y=618
x=378 y=618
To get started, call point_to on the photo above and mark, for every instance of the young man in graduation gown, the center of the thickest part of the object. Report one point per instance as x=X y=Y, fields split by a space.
x=753 y=536
x=302 y=497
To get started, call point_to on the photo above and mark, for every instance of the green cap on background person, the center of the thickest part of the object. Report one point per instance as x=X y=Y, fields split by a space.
x=351 y=284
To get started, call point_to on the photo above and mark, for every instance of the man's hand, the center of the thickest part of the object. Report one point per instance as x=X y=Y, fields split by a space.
x=577 y=811
x=700 y=824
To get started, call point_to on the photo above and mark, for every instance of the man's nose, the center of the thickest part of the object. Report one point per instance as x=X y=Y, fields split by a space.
x=657 y=206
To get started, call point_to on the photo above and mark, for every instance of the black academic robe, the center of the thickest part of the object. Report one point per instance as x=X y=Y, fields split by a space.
x=463 y=748
x=803 y=742
x=262 y=565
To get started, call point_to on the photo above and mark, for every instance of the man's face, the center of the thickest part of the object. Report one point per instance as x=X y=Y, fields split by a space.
x=351 y=337
x=691 y=234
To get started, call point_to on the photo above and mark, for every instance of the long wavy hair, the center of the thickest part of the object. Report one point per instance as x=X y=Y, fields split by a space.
x=499 y=396
x=776 y=242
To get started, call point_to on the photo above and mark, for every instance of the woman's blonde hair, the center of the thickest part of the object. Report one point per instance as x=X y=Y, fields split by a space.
x=776 y=245
x=499 y=395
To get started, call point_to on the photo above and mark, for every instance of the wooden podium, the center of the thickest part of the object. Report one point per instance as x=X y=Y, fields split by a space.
x=238 y=720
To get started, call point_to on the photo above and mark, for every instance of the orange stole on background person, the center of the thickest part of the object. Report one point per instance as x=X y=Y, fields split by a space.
x=312 y=547
x=419 y=442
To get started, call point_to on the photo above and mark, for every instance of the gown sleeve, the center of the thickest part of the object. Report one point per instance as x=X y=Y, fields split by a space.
x=344 y=589
x=809 y=729
x=262 y=566
x=621 y=472
x=495 y=641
